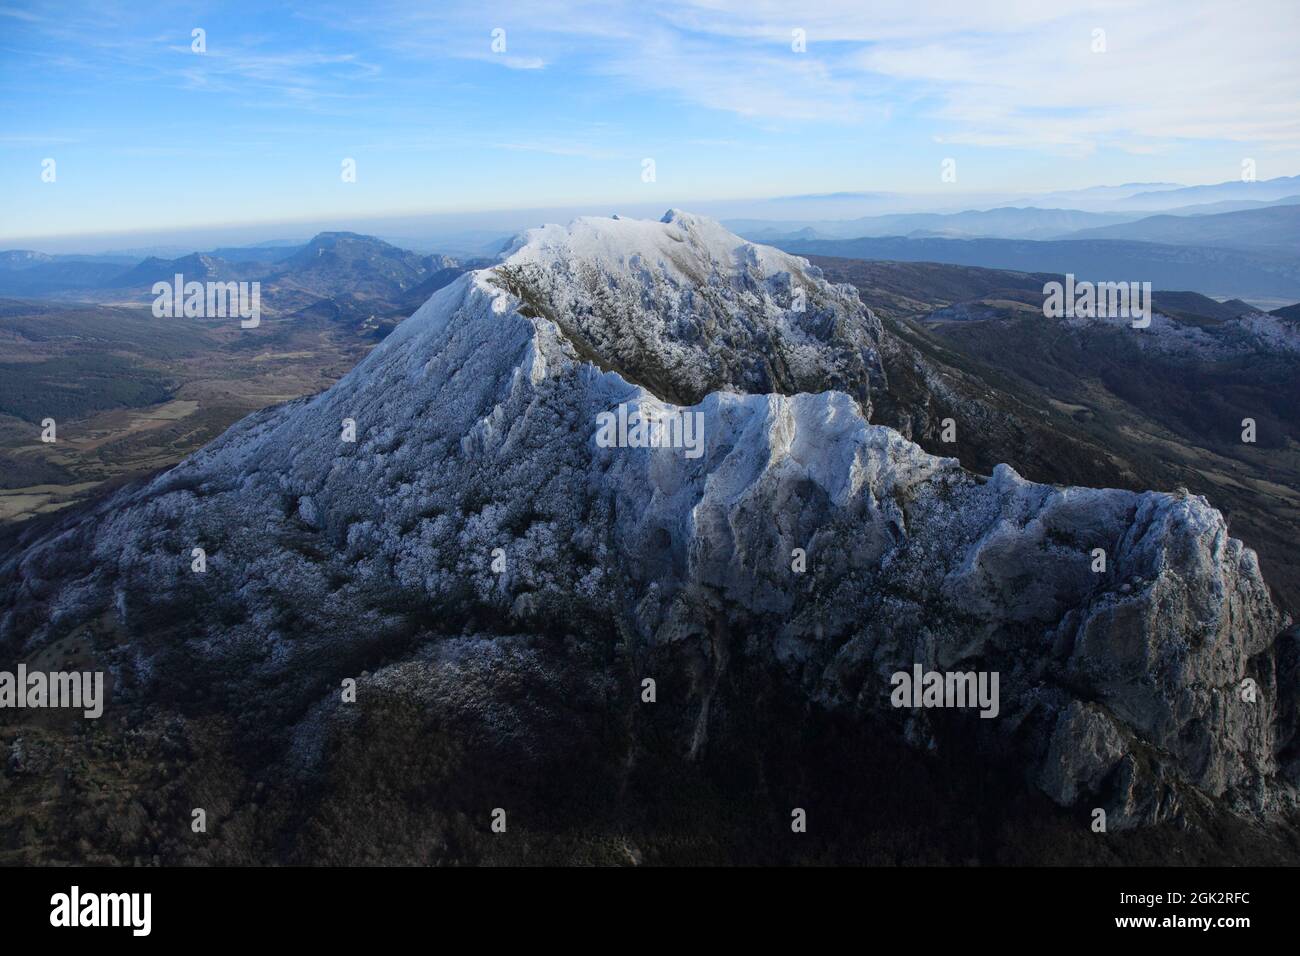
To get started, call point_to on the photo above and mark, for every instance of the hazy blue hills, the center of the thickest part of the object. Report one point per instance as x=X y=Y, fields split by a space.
x=1009 y=222
x=196 y=267
x=1266 y=189
x=1248 y=253
x=1271 y=228
x=1211 y=271
x=331 y=265
x=24 y=272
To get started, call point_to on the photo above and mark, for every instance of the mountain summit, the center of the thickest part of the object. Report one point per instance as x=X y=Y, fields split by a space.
x=445 y=526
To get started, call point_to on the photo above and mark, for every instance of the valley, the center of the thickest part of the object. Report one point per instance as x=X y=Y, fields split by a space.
x=196 y=378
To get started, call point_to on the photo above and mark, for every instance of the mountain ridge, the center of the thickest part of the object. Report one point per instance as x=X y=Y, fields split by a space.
x=1269 y=228
x=1224 y=272
x=474 y=433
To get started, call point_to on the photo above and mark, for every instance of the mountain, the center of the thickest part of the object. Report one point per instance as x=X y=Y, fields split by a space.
x=26 y=272
x=1246 y=274
x=417 y=294
x=1093 y=401
x=340 y=278
x=1227 y=205
x=1006 y=222
x=264 y=252
x=355 y=280
x=374 y=275
x=196 y=267
x=1094 y=194
x=1265 y=189
x=1003 y=222
x=768 y=231
x=1272 y=228
x=1162 y=197
x=362 y=265
x=12 y=259
x=596 y=634
x=1200 y=309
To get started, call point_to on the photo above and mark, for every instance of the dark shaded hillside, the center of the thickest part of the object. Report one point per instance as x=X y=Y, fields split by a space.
x=896 y=287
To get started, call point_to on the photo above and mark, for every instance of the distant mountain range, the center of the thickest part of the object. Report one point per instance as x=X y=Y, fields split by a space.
x=1233 y=239
x=24 y=272
x=1215 y=271
x=1271 y=228
x=1002 y=222
x=1268 y=189
x=1163 y=197
x=340 y=276
x=1007 y=222
x=196 y=267
x=481 y=234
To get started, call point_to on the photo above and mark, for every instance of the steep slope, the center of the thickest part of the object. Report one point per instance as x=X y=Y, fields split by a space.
x=510 y=577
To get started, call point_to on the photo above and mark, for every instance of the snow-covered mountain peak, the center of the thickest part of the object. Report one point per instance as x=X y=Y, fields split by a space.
x=685 y=308
x=679 y=242
x=454 y=485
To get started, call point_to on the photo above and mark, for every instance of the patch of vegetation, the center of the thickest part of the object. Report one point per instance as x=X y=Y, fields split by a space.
x=78 y=385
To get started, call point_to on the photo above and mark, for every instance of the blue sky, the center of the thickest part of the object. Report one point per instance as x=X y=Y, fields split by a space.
x=148 y=134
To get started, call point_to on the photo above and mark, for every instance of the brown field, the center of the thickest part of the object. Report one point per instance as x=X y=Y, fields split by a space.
x=212 y=379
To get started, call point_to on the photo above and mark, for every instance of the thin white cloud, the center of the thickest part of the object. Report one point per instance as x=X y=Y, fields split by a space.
x=1168 y=71
x=991 y=72
x=997 y=73
x=15 y=14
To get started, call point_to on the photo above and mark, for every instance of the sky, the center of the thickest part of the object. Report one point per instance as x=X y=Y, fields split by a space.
x=450 y=107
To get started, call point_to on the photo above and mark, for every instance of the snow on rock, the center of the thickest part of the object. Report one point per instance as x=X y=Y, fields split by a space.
x=1249 y=334
x=476 y=507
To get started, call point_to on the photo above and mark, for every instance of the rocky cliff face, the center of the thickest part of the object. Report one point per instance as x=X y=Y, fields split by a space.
x=490 y=560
